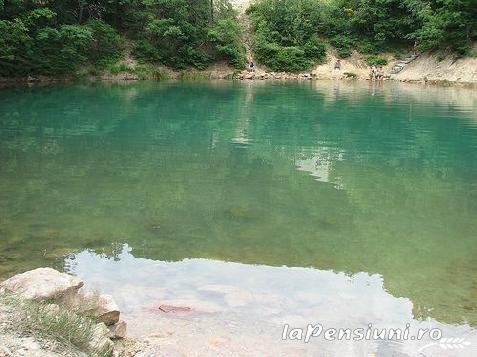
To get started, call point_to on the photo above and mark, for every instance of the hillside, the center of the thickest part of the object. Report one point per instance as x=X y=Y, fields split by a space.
x=159 y=39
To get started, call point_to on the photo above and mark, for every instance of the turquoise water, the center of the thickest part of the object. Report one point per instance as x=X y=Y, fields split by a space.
x=338 y=177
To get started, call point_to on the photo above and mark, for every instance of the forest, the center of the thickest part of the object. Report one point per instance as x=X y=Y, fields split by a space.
x=292 y=34
x=53 y=37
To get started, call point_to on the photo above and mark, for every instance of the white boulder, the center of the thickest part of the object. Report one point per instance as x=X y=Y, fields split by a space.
x=41 y=284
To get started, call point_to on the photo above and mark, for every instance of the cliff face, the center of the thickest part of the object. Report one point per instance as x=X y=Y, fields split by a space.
x=428 y=67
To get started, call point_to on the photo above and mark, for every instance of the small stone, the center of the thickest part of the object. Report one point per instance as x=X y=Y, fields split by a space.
x=174 y=309
x=5 y=352
x=118 y=330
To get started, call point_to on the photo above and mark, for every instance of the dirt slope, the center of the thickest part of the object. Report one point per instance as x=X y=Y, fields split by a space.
x=427 y=66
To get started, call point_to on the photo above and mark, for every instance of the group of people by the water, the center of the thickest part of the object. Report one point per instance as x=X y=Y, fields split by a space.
x=376 y=73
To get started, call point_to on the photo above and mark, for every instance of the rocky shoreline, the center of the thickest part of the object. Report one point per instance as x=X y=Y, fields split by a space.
x=425 y=68
x=47 y=313
x=267 y=76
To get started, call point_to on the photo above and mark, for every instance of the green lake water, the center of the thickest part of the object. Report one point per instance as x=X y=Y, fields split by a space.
x=342 y=177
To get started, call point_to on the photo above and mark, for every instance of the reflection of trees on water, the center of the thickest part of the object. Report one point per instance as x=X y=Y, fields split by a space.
x=158 y=167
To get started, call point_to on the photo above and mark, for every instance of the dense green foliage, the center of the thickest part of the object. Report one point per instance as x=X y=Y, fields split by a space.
x=35 y=39
x=183 y=33
x=57 y=37
x=376 y=60
x=60 y=36
x=445 y=23
x=284 y=29
x=285 y=35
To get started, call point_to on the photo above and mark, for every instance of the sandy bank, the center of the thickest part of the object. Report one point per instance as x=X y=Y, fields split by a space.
x=450 y=69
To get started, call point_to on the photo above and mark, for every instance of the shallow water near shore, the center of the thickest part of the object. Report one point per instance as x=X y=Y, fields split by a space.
x=257 y=204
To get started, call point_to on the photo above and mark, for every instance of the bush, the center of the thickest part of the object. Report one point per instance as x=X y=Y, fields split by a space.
x=226 y=36
x=62 y=50
x=366 y=46
x=118 y=67
x=285 y=36
x=315 y=49
x=376 y=60
x=106 y=45
x=440 y=56
x=194 y=75
x=343 y=52
x=280 y=58
x=144 y=51
x=343 y=45
x=15 y=41
x=151 y=72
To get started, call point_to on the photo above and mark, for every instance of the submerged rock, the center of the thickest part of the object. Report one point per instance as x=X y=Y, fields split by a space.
x=41 y=284
x=326 y=224
x=233 y=295
x=241 y=213
x=174 y=309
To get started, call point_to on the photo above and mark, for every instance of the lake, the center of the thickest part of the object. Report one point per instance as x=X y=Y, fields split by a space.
x=257 y=203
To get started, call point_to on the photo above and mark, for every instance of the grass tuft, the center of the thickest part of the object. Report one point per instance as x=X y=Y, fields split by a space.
x=151 y=72
x=193 y=75
x=55 y=322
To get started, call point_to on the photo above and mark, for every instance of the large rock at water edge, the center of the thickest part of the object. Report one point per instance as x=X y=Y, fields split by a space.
x=41 y=284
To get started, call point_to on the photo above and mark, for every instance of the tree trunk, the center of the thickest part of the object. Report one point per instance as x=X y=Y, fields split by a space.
x=211 y=11
x=81 y=10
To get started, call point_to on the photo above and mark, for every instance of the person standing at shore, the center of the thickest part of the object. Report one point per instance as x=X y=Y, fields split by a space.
x=373 y=73
x=380 y=73
x=338 y=65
